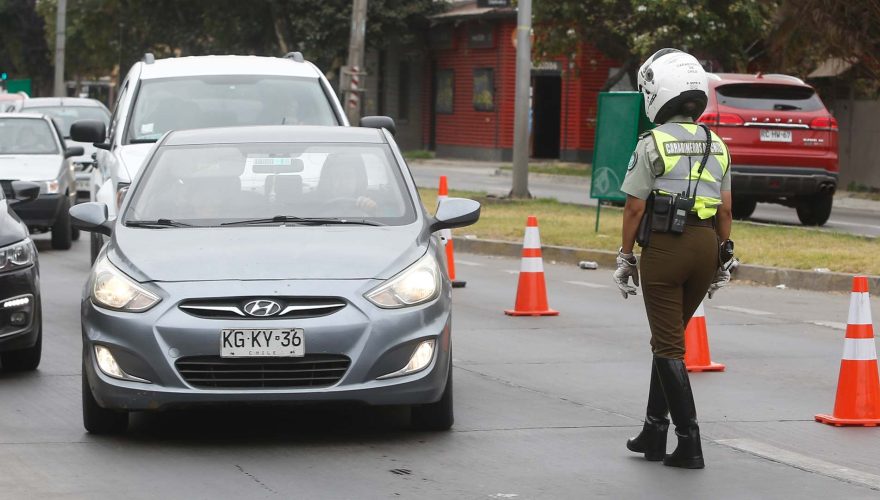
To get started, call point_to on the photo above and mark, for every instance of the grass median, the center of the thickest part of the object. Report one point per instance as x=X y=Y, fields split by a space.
x=573 y=225
x=557 y=168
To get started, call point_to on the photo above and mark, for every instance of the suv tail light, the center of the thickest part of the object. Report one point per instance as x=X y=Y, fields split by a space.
x=728 y=119
x=824 y=123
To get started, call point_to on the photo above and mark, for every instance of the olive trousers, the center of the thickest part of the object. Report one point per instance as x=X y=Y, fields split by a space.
x=676 y=271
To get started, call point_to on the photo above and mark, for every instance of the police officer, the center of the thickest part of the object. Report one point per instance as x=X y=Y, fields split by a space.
x=688 y=211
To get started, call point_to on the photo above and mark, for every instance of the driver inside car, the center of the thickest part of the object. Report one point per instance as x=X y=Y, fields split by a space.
x=343 y=182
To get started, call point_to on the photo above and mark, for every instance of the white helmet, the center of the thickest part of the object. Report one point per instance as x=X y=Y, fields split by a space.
x=668 y=79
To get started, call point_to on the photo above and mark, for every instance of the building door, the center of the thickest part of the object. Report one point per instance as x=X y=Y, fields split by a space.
x=546 y=115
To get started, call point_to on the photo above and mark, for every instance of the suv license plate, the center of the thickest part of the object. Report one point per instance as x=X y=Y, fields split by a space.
x=262 y=343
x=776 y=135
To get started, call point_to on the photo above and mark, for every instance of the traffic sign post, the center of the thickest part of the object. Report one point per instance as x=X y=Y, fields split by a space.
x=620 y=119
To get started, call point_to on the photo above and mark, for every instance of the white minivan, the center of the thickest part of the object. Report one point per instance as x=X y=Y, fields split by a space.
x=159 y=95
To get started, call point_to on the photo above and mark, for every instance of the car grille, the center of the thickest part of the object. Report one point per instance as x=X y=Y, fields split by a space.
x=317 y=370
x=289 y=307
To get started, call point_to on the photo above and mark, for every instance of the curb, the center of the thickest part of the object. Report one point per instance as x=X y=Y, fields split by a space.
x=763 y=275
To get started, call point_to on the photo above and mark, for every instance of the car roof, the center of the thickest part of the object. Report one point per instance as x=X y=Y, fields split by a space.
x=226 y=65
x=276 y=134
x=39 y=116
x=62 y=101
x=770 y=78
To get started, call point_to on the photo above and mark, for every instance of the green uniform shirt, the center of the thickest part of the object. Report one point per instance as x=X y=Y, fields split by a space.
x=645 y=165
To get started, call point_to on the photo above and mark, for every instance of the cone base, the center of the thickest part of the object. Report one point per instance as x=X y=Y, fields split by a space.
x=711 y=367
x=458 y=284
x=548 y=312
x=832 y=420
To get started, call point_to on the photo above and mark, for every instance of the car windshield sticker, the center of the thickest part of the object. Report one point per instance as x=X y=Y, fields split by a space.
x=147 y=128
x=270 y=162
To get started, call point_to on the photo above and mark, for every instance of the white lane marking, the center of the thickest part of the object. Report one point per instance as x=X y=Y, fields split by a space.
x=511 y=271
x=829 y=324
x=803 y=462
x=588 y=285
x=745 y=310
x=468 y=263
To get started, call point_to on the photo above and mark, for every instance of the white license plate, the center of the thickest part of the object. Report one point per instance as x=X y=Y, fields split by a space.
x=82 y=185
x=776 y=135
x=262 y=343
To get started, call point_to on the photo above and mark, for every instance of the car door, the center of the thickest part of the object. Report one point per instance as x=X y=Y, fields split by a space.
x=106 y=161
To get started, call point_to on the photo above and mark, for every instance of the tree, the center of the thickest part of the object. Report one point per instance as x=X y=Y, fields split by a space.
x=23 y=49
x=630 y=30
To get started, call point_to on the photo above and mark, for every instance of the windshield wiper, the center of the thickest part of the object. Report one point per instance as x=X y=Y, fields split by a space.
x=308 y=221
x=156 y=223
x=142 y=141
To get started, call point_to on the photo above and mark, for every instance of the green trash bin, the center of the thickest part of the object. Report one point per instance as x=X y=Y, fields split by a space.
x=619 y=121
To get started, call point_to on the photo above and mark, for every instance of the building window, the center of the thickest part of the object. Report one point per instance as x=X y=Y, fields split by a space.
x=403 y=83
x=484 y=89
x=445 y=91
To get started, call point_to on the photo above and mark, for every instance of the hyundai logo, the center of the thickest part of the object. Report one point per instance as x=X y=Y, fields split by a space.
x=262 y=308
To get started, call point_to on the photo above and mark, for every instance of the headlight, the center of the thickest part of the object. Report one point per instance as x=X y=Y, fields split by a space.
x=17 y=255
x=50 y=187
x=114 y=290
x=417 y=284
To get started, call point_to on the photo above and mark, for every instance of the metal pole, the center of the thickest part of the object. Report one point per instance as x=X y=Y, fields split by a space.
x=520 y=188
x=60 y=36
x=353 y=84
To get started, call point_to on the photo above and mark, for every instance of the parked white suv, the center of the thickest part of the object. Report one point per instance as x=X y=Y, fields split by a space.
x=199 y=92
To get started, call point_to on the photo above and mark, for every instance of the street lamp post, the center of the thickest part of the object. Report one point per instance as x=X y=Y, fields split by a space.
x=520 y=187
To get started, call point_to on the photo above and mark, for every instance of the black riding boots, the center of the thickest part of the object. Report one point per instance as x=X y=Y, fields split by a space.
x=652 y=440
x=676 y=385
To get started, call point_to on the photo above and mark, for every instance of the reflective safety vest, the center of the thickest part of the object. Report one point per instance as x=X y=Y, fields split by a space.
x=681 y=147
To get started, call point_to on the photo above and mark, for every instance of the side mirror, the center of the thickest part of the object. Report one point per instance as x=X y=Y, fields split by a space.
x=92 y=131
x=385 y=122
x=92 y=217
x=25 y=191
x=74 y=151
x=455 y=212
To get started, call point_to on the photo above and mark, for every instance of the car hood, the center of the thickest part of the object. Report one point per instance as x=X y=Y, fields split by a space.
x=133 y=156
x=11 y=228
x=265 y=253
x=29 y=167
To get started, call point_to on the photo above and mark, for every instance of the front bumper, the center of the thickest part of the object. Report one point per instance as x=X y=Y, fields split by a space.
x=42 y=212
x=19 y=284
x=147 y=345
x=771 y=183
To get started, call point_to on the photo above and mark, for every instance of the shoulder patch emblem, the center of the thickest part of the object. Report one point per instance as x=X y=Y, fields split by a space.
x=632 y=161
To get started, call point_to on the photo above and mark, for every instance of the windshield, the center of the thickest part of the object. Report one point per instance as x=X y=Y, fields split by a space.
x=26 y=136
x=223 y=183
x=769 y=97
x=226 y=101
x=66 y=115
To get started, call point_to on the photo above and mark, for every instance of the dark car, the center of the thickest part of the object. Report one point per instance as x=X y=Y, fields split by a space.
x=32 y=148
x=65 y=111
x=20 y=319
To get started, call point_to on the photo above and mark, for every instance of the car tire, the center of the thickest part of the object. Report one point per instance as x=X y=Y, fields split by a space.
x=743 y=208
x=62 y=232
x=437 y=416
x=95 y=244
x=815 y=210
x=98 y=420
x=24 y=360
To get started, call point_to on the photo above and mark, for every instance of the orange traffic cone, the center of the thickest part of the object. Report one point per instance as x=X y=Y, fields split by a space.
x=696 y=345
x=858 y=387
x=446 y=237
x=531 y=293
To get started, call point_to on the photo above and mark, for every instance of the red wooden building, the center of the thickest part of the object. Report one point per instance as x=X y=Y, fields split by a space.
x=468 y=96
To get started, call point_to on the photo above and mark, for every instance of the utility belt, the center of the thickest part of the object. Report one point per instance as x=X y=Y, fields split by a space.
x=668 y=213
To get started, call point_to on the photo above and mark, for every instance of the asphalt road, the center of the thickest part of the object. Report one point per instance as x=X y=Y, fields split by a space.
x=570 y=189
x=543 y=409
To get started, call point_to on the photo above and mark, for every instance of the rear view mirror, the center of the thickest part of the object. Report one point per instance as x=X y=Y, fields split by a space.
x=25 y=191
x=92 y=131
x=277 y=165
x=385 y=122
x=92 y=217
x=455 y=212
x=74 y=151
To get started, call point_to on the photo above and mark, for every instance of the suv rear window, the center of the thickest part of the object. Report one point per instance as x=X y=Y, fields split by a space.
x=769 y=97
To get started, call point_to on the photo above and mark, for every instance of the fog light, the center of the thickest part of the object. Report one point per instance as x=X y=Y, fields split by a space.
x=22 y=301
x=18 y=318
x=108 y=363
x=420 y=359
